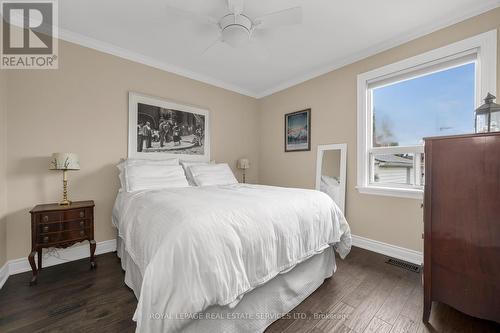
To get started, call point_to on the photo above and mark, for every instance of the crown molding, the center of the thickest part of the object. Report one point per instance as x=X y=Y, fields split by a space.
x=381 y=47
x=109 y=48
x=98 y=45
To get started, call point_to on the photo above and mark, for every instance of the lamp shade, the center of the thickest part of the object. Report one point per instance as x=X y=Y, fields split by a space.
x=243 y=163
x=64 y=161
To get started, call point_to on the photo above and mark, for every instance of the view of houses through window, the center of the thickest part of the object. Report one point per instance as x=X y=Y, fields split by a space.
x=404 y=112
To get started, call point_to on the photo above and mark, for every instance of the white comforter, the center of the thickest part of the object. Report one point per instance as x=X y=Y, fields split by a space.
x=201 y=246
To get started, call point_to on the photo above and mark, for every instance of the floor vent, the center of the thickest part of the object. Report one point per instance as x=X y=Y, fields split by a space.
x=403 y=264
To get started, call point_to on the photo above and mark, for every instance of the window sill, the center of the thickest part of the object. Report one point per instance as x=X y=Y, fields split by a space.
x=392 y=192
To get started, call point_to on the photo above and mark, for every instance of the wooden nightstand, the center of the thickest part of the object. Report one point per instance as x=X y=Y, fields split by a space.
x=58 y=226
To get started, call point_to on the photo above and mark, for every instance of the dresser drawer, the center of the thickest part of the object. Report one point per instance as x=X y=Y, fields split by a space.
x=44 y=228
x=59 y=237
x=49 y=217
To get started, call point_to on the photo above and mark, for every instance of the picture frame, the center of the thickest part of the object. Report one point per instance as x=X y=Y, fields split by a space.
x=160 y=129
x=298 y=131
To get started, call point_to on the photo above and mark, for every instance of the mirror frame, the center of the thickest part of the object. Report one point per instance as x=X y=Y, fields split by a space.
x=343 y=169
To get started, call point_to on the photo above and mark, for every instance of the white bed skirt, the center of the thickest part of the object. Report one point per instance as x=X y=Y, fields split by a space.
x=258 y=308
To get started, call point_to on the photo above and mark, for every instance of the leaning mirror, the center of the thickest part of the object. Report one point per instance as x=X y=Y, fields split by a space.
x=331 y=172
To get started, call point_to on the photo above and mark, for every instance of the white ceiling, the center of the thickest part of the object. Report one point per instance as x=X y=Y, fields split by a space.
x=333 y=33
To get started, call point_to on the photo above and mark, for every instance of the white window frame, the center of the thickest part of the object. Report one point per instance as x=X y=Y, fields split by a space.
x=483 y=47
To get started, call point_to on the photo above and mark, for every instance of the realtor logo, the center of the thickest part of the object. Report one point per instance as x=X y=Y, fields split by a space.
x=29 y=35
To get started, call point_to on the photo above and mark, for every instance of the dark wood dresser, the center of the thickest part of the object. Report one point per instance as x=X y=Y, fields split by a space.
x=58 y=226
x=462 y=224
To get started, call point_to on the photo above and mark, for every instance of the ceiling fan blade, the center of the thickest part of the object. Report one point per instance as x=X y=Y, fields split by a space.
x=219 y=39
x=290 y=16
x=236 y=6
x=193 y=16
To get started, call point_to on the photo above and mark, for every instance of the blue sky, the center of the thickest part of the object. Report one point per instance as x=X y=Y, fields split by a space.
x=437 y=104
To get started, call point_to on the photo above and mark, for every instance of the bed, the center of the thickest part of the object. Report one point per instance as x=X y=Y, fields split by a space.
x=225 y=258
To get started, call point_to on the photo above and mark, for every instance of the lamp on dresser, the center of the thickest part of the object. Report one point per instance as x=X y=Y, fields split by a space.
x=487 y=116
x=59 y=225
x=64 y=162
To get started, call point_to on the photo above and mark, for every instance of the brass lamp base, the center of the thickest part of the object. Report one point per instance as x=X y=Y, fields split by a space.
x=65 y=201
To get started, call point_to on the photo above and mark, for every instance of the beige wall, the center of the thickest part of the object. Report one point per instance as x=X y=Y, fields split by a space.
x=332 y=98
x=3 y=158
x=82 y=108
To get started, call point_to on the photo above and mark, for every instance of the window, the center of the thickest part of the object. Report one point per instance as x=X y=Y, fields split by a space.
x=432 y=94
x=404 y=112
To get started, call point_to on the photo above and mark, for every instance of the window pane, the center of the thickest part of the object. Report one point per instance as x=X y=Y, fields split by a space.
x=440 y=103
x=495 y=122
x=393 y=169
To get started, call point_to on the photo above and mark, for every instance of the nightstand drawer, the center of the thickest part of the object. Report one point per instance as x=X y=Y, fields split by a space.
x=44 y=228
x=60 y=237
x=75 y=214
x=49 y=217
x=75 y=225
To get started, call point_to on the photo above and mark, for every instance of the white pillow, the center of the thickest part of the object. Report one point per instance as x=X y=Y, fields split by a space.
x=150 y=176
x=212 y=174
x=123 y=164
x=187 y=165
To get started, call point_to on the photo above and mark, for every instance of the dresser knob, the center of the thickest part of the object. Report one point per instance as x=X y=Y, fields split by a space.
x=82 y=224
x=82 y=233
x=45 y=228
x=82 y=213
x=45 y=218
x=46 y=239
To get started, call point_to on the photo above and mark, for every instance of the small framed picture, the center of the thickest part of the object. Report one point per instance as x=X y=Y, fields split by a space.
x=298 y=131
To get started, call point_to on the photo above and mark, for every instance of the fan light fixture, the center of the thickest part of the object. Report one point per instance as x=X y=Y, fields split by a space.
x=235 y=29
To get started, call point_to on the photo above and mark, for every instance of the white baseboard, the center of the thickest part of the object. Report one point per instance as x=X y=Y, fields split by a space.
x=4 y=274
x=388 y=249
x=77 y=252
x=62 y=256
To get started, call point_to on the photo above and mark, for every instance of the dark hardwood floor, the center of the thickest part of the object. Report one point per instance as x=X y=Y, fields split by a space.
x=365 y=295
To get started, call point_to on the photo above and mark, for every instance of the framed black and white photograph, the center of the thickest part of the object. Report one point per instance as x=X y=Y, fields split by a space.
x=160 y=129
x=298 y=131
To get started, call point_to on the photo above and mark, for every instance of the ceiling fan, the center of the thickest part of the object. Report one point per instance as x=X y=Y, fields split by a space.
x=236 y=28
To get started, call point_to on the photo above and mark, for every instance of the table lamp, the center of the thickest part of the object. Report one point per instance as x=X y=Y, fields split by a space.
x=64 y=162
x=243 y=164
